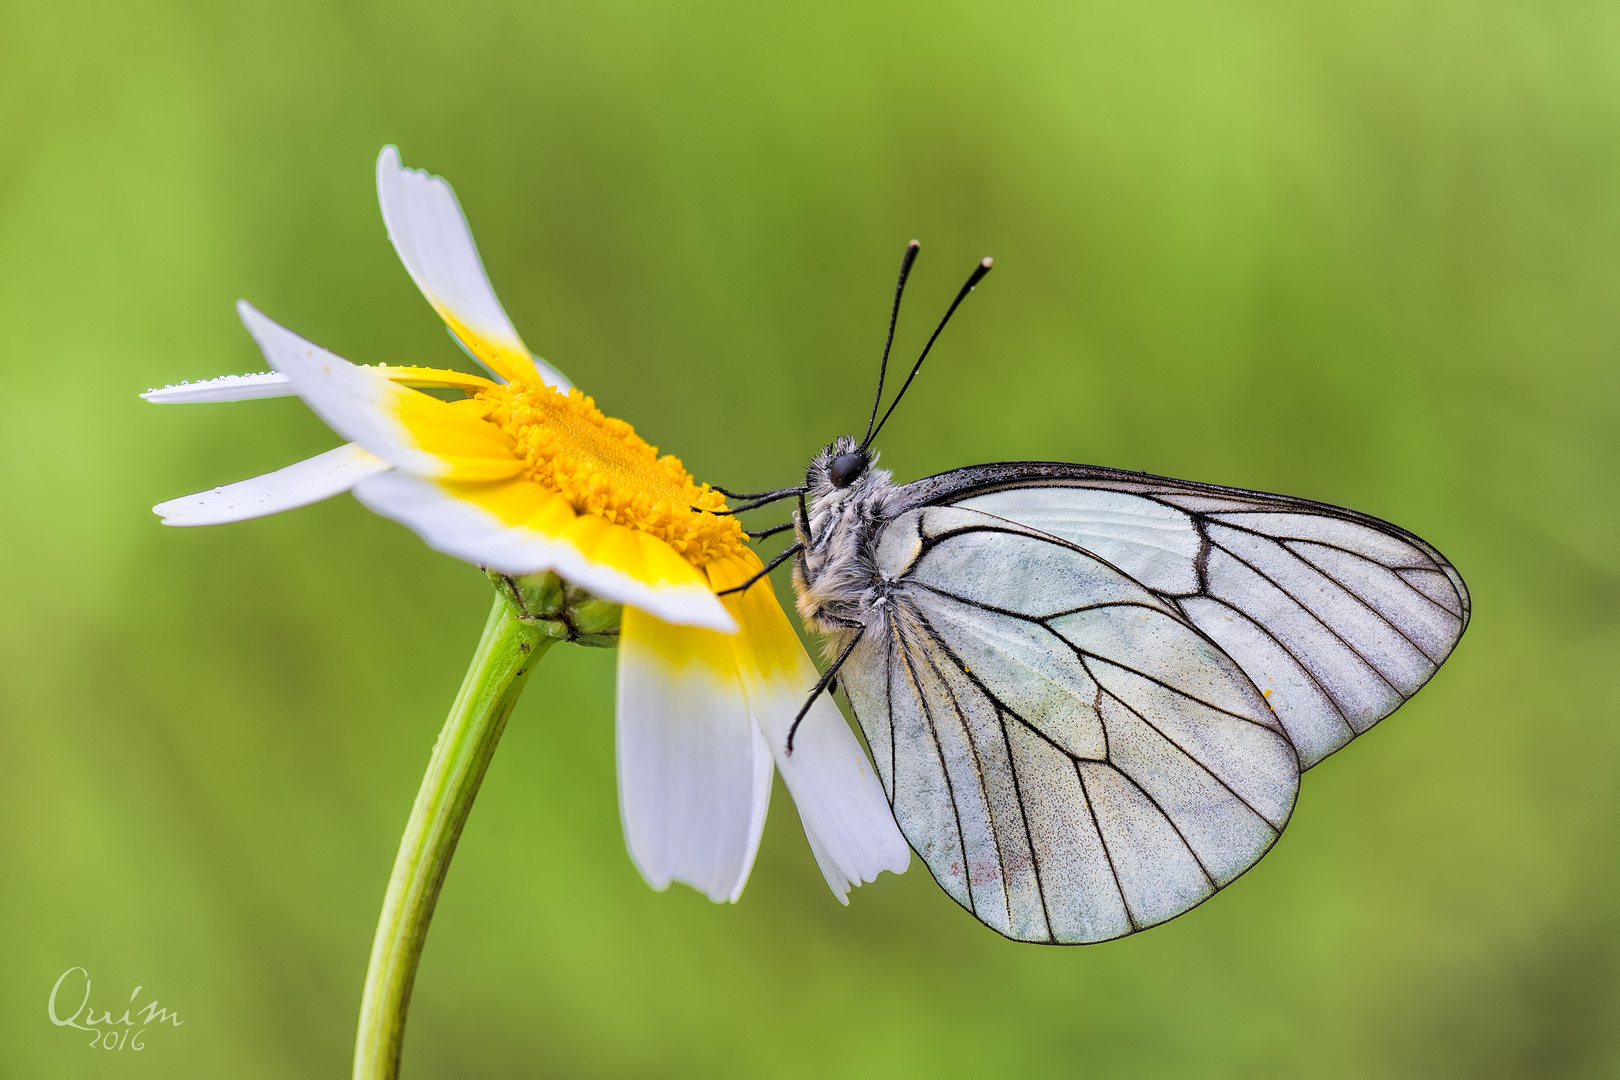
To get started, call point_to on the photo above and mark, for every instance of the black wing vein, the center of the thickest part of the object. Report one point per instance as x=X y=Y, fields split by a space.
x=1023 y=814
x=1365 y=659
x=1131 y=780
x=1206 y=770
x=945 y=773
x=1113 y=870
x=1327 y=694
x=984 y=791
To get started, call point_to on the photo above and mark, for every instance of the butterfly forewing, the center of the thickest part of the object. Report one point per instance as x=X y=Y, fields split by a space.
x=1090 y=693
x=1338 y=617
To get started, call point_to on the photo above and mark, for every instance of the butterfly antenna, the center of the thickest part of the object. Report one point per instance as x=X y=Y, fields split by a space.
x=973 y=280
x=894 y=317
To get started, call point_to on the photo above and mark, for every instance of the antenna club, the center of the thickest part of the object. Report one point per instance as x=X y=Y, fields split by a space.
x=987 y=262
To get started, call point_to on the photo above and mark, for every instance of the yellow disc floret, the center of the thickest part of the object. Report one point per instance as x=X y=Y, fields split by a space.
x=604 y=468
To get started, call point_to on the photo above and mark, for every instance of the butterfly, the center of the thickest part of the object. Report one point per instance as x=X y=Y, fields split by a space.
x=1089 y=693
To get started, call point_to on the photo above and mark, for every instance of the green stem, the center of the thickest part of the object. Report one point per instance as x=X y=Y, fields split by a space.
x=506 y=655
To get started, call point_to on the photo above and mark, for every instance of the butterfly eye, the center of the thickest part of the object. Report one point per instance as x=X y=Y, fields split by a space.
x=846 y=468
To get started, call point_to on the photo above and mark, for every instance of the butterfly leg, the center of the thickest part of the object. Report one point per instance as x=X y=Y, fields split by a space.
x=782 y=557
x=804 y=518
x=826 y=680
x=760 y=534
x=728 y=493
x=764 y=499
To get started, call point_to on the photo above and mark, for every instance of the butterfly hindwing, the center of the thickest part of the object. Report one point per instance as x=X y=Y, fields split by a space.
x=1071 y=758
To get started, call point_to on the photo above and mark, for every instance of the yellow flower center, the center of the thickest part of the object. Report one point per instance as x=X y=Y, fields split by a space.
x=604 y=468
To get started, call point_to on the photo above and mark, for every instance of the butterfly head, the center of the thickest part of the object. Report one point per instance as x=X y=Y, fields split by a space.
x=842 y=465
x=847 y=468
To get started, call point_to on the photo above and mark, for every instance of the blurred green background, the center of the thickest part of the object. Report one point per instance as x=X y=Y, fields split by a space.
x=1362 y=252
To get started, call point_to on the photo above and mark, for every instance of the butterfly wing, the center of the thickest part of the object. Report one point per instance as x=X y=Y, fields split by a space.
x=1089 y=694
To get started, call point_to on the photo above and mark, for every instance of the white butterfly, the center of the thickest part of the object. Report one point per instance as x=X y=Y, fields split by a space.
x=1089 y=693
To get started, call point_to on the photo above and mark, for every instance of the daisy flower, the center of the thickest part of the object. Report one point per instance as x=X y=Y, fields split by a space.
x=525 y=475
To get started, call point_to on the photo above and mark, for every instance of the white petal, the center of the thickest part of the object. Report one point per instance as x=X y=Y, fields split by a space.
x=431 y=235
x=263 y=384
x=846 y=817
x=357 y=403
x=468 y=531
x=845 y=814
x=694 y=773
x=308 y=481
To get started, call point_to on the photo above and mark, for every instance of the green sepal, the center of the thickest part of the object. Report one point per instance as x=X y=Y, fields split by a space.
x=559 y=610
x=539 y=596
x=595 y=621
